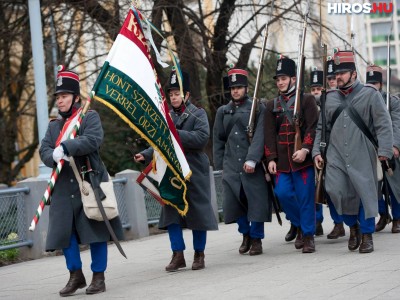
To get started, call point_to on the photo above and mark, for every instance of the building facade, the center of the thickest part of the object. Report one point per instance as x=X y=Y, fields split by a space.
x=378 y=29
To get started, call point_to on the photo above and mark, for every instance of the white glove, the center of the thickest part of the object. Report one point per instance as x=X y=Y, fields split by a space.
x=251 y=163
x=58 y=154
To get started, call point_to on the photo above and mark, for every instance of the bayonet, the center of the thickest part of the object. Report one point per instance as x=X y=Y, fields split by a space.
x=254 y=106
x=299 y=83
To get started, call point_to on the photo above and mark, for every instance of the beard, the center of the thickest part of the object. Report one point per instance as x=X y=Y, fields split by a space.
x=340 y=84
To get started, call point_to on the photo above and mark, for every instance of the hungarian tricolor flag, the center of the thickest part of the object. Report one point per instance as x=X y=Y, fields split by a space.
x=129 y=85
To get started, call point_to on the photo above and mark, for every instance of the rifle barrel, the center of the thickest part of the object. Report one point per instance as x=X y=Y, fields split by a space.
x=251 y=125
x=299 y=81
x=388 y=66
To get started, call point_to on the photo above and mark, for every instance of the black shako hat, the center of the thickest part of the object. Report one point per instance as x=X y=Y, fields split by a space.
x=374 y=74
x=330 y=67
x=173 y=82
x=344 y=61
x=67 y=82
x=237 y=77
x=285 y=67
x=316 y=77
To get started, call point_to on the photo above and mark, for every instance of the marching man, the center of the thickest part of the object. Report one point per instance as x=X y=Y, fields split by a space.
x=294 y=171
x=351 y=167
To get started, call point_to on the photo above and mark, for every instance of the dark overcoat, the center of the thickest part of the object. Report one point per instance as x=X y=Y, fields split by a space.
x=351 y=159
x=66 y=213
x=232 y=149
x=193 y=129
x=394 y=181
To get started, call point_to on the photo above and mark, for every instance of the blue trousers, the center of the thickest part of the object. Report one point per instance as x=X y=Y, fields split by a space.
x=296 y=193
x=337 y=219
x=254 y=229
x=175 y=234
x=98 y=251
x=366 y=225
x=394 y=204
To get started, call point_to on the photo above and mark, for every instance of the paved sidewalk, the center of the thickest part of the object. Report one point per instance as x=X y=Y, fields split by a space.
x=282 y=272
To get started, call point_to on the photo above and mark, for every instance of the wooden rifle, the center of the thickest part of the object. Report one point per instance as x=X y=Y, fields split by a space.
x=254 y=105
x=385 y=164
x=320 y=189
x=388 y=71
x=352 y=48
x=254 y=110
x=300 y=84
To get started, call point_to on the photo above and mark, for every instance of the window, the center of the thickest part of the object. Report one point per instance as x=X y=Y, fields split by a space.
x=380 y=55
x=380 y=32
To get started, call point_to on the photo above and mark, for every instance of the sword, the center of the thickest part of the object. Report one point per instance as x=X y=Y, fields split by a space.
x=99 y=195
x=386 y=168
x=275 y=202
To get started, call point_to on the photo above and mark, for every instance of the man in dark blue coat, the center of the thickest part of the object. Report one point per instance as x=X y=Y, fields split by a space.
x=193 y=129
x=245 y=198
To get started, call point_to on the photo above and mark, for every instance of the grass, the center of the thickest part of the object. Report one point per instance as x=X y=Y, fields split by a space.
x=9 y=256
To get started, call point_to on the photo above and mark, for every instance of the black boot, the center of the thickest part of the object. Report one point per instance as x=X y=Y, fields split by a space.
x=198 y=261
x=246 y=243
x=256 y=247
x=177 y=262
x=355 y=237
x=309 y=245
x=337 y=232
x=383 y=221
x=367 y=244
x=396 y=226
x=291 y=235
x=97 y=285
x=76 y=281
x=299 y=242
x=318 y=229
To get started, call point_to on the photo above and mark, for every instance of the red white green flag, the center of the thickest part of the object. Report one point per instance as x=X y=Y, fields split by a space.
x=129 y=85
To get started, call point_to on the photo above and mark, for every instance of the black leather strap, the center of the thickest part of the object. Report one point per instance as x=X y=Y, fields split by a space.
x=235 y=119
x=284 y=111
x=182 y=118
x=337 y=112
x=353 y=114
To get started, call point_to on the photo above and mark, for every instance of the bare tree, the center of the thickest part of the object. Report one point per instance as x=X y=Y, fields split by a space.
x=79 y=34
x=14 y=87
